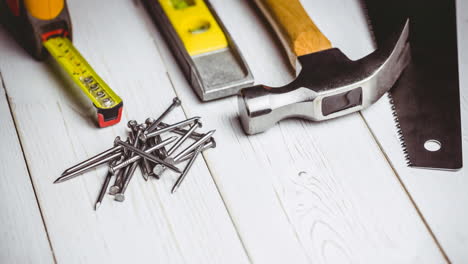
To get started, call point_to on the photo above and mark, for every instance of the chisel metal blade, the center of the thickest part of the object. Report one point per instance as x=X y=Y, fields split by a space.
x=426 y=98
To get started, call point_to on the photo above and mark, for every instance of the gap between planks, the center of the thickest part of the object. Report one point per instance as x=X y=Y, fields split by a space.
x=163 y=60
x=7 y=98
x=403 y=186
x=205 y=159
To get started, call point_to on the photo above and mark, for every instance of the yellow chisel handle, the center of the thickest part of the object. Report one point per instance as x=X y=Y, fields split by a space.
x=196 y=26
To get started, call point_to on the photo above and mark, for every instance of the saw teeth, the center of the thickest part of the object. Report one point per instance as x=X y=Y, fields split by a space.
x=401 y=138
x=392 y=102
x=369 y=22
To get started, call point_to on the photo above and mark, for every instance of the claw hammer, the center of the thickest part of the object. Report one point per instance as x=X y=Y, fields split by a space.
x=328 y=84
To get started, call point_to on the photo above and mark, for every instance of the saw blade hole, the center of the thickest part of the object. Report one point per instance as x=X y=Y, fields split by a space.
x=432 y=145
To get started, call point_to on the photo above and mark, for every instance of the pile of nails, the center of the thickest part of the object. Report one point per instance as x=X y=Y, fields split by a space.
x=146 y=150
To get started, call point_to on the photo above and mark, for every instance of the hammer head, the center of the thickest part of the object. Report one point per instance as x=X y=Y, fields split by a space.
x=328 y=85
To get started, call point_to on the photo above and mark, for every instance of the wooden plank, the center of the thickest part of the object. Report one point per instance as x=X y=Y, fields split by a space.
x=305 y=192
x=55 y=128
x=24 y=238
x=441 y=196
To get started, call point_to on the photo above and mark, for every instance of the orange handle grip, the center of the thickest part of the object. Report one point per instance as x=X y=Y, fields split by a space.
x=44 y=9
x=298 y=33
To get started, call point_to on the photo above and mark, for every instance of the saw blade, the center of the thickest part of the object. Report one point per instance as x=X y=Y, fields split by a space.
x=425 y=100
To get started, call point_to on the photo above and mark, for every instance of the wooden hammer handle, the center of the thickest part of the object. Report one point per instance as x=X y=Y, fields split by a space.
x=297 y=31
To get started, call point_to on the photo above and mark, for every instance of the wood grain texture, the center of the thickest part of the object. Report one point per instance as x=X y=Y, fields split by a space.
x=299 y=193
x=23 y=237
x=294 y=26
x=441 y=196
x=305 y=192
x=56 y=128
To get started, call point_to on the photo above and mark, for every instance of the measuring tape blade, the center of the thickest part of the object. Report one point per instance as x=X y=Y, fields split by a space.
x=109 y=105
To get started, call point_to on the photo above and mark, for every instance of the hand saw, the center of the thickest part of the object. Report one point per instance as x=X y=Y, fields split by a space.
x=43 y=27
x=426 y=100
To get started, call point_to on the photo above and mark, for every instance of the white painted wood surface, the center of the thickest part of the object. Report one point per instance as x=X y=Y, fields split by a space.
x=321 y=209
x=23 y=238
x=192 y=226
x=299 y=193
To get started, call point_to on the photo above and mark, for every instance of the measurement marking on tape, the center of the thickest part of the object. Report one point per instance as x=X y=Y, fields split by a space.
x=82 y=73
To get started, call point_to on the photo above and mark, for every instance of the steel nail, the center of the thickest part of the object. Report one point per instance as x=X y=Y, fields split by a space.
x=146 y=155
x=73 y=174
x=114 y=189
x=149 y=121
x=103 y=191
x=132 y=124
x=175 y=102
x=162 y=151
x=159 y=169
x=145 y=135
x=104 y=187
x=191 y=147
x=144 y=169
x=186 y=169
x=146 y=166
x=133 y=159
x=119 y=178
x=134 y=134
x=121 y=195
x=181 y=140
x=93 y=159
x=129 y=171
x=181 y=131
x=207 y=145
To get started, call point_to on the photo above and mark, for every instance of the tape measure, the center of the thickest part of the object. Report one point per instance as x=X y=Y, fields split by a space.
x=43 y=27
x=102 y=96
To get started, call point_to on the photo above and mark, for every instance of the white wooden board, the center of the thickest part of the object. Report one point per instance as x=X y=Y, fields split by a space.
x=23 y=237
x=299 y=193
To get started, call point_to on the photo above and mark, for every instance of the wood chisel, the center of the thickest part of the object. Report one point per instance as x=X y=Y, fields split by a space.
x=43 y=27
x=426 y=99
x=328 y=84
x=209 y=58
